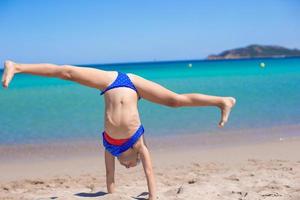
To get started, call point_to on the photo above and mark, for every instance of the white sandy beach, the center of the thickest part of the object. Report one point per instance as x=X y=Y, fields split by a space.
x=268 y=169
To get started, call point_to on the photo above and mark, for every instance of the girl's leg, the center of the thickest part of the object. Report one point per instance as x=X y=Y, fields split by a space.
x=86 y=76
x=158 y=94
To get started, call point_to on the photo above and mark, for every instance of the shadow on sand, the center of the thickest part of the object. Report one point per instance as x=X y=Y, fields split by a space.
x=96 y=194
x=141 y=198
x=100 y=193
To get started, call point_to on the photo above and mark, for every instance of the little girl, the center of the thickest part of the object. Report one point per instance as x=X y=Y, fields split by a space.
x=123 y=131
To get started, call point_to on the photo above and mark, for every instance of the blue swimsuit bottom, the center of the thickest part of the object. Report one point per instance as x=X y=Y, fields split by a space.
x=118 y=150
x=122 y=80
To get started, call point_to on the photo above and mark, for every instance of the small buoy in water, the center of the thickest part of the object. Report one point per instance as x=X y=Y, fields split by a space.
x=262 y=64
x=190 y=65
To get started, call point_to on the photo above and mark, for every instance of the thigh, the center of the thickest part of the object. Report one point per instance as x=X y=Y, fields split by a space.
x=90 y=77
x=154 y=92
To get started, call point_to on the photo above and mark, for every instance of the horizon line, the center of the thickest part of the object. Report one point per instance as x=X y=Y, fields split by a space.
x=186 y=60
x=180 y=60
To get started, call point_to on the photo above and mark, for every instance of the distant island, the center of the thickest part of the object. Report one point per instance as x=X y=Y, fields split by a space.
x=256 y=51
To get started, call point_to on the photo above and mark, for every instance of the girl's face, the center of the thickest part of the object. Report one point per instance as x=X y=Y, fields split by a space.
x=129 y=158
x=129 y=164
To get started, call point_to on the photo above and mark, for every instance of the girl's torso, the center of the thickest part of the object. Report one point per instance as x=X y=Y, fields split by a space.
x=121 y=117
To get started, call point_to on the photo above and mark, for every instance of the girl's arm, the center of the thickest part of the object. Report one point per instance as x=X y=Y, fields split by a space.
x=110 y=172
x=147 y=165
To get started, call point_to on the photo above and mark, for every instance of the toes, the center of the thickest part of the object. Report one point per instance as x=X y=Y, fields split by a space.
x=6 y=63
x=5 y=83
x=221 y=124
x=233 y=100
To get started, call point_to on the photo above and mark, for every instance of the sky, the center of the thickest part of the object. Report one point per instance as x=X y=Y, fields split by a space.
x=117 y=31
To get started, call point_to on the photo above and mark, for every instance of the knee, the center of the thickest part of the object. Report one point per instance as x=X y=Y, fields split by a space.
x=65 y=72
x=174 y=101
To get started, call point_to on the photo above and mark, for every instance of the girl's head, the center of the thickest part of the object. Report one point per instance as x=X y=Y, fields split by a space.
x=129 y=158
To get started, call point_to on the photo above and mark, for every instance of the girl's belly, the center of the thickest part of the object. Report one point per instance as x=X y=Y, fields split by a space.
x=122 y=120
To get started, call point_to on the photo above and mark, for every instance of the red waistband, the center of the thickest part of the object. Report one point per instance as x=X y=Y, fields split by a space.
x=117 y=142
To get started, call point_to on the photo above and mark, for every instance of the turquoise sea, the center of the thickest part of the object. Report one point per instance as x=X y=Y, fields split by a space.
x=38 y=109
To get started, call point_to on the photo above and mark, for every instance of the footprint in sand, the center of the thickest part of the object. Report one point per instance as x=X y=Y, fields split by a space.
x=174 y=191
x=242 y=194
x=179 y=190
x=90 y=186
x=192 y=181
x=271 y=195
x=232 y=178
x=5 y=189
x=35 y=182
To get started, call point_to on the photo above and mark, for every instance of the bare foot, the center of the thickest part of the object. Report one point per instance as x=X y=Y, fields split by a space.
x=226 y=107
x=9 y=72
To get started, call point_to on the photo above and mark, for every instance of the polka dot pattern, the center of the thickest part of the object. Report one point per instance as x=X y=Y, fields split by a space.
x=122 y=80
